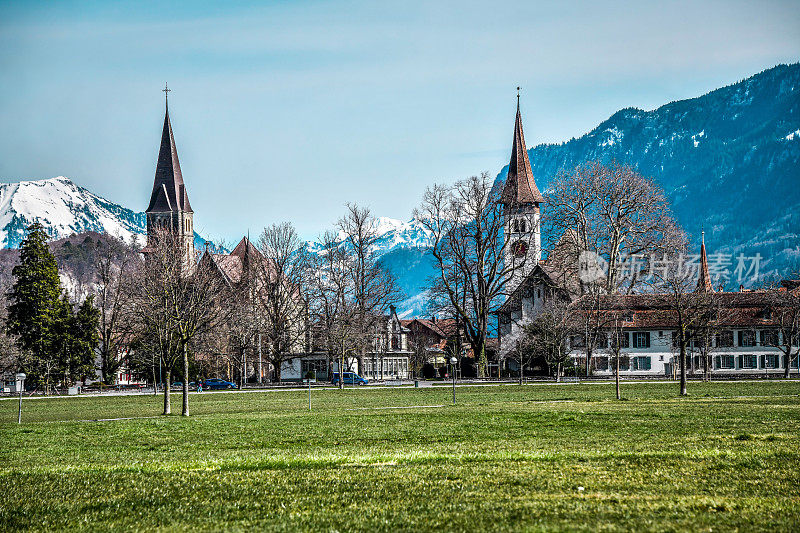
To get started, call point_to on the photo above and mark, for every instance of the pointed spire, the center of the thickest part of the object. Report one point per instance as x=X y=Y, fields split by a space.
x=169 y=192
x=520 y=187
x=704 y=279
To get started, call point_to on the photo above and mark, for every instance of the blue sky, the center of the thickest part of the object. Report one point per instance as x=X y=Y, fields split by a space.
x=288 y=110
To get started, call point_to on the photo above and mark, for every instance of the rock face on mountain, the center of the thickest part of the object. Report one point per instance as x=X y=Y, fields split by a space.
x=728 y=161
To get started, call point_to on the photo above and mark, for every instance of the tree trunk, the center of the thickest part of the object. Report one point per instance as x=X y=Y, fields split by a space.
x=341 y=371
x=185 y=410
x=482 y=362
x=683 y=367
x=167 y=404
x=155 y=382
x=277 y=363
x=788 y=362
x=616 y=376
x=588 y=358
x=244 y=369
x=260 y=373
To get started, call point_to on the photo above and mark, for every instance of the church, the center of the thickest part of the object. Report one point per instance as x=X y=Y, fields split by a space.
x=388 y=356
x=747 y=342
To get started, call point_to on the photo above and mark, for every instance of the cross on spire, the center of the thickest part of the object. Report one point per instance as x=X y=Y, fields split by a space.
x=166 y=90
x=517 y=96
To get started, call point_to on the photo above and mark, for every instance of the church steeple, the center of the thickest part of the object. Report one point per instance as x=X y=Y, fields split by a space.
x=169 y=202
x=704 y=279
x=521 y=199
x=169 y=192
x=520 y=187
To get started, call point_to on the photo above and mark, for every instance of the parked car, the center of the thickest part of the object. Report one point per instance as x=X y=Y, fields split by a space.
x=350 y=378
x=217 y=384
x=179 y=385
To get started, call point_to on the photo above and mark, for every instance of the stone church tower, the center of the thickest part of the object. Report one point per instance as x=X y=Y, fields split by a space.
x=521 y=199
x=169 y=202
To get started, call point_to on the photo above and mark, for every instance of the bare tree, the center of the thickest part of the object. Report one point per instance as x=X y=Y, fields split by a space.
x=282 y=278
x=523 y=353
x=784 y=306
x=466 y=222
x=691 y=311
x=114 y=265
x=618 y=345
x=374 y=288
x=333 y=313
x=549 y=333
x=174 y=302
x=613 y=216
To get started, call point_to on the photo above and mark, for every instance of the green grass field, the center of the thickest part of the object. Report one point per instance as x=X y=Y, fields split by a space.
x=504 y=458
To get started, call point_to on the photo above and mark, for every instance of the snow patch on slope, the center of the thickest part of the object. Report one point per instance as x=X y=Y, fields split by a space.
x=63 y=208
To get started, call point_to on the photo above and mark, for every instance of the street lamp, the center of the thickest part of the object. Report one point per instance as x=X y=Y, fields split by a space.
x=453 y=362
x=20 y=386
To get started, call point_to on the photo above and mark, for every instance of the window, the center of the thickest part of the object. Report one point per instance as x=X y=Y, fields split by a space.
x=725 y=339
x=770 y=360
x=602 y=340
x=641 y=339
x=601 y=363
x=747 y=361
x=318 y=366
x=747 y=337
x=624 y=363
x=769 y=337
x=519 y=225
x=577 y=341
x=640 y=363
x=725 y=362
x=624 y=339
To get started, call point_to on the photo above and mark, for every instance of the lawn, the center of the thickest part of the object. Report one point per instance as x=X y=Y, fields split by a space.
x=535 y=457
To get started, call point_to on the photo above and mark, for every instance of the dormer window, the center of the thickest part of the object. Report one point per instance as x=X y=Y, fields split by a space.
x=519 y=225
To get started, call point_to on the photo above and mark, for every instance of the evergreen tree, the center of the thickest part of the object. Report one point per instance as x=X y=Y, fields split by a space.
x=61 y=339
x=34 y=305
x=85 y=337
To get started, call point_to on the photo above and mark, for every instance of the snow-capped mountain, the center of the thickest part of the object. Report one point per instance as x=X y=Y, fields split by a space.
x=728 y=160
x=392 y=234
x=403 y=249
x=63 y=208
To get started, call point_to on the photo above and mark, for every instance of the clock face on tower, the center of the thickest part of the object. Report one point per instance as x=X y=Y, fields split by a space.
x=519 y=248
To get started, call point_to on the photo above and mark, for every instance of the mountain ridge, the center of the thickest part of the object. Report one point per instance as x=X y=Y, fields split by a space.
x=728 y=160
